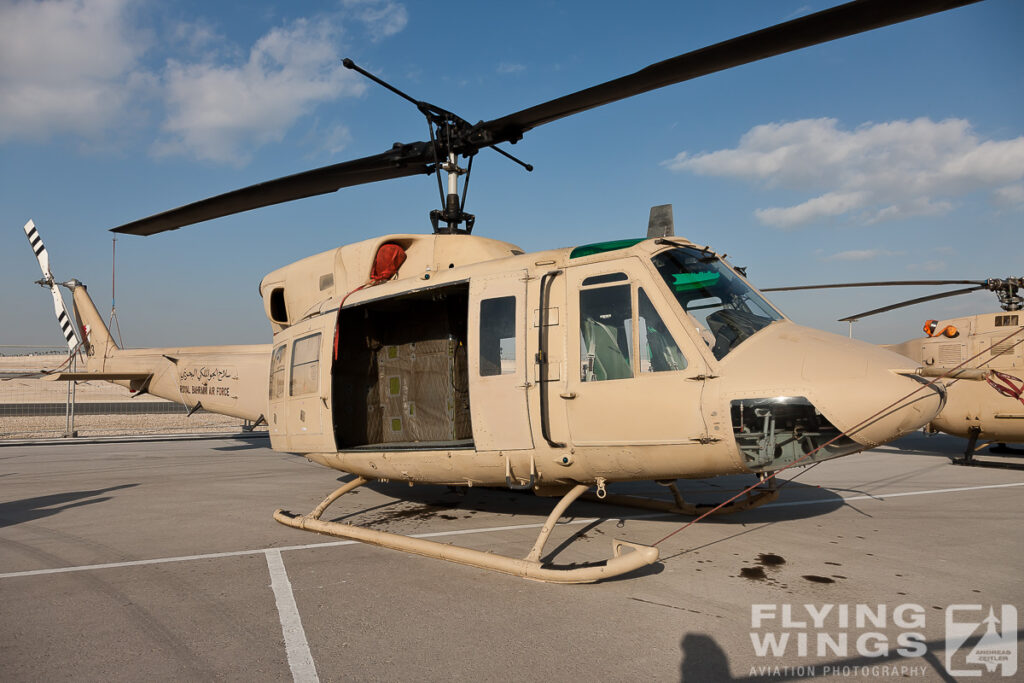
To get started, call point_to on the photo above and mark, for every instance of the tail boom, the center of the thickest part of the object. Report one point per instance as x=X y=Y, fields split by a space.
x=229 y=380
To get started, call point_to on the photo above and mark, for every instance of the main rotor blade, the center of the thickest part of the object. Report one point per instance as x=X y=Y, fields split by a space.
x=416 y=158
x=911 y=302
x=837 y=22
x=401 y=161
x=890 y=283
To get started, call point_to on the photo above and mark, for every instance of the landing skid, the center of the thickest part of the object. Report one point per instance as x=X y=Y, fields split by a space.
x=1001 y=449
x=530 y=567
x=751 y=500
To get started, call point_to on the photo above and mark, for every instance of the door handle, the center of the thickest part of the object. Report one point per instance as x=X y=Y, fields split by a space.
x=568 y=395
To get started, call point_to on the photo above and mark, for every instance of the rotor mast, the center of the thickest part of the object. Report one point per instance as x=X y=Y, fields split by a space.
x=453 y=213
x=450 y=136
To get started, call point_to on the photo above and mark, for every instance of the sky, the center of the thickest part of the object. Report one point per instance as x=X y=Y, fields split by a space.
x=896 y=154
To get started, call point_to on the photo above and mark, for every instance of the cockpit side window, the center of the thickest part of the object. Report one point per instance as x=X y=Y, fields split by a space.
x=606 y=349
x=658 y=350
x=726 y=309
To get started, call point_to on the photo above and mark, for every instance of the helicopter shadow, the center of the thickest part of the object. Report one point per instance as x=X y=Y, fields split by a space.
x=424 y=502
x=796 y=501
x=30 y=509
x=248 y=442
x=952 y=448
x=919 y=443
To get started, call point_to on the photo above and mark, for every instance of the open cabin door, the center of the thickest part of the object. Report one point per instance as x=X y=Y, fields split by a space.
x=497 y=362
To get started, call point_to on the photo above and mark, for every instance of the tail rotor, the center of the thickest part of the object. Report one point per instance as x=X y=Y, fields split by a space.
x=59 y=309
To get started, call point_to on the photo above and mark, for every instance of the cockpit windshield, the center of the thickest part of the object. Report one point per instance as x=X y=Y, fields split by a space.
x=726 y=309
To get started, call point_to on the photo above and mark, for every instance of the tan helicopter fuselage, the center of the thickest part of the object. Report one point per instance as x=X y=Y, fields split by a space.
x=989 y=341
x=478 y=364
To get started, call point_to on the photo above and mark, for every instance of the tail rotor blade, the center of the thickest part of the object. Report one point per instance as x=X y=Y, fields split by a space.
x=63 y=319
x=36 y=242
x=67 y=328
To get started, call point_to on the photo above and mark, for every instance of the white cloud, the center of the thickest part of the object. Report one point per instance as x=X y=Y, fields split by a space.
x=223 y=112
x=381 y=17
x=1010 y=195
x=68 y=66
x=829 y=204
x=873 y=173
x=861 y=255
x=77 y=67
x=510 y=68
x=196 y=37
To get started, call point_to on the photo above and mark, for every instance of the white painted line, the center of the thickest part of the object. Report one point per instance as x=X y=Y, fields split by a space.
x=299 y=658
x=885 y=496
x=487 y=530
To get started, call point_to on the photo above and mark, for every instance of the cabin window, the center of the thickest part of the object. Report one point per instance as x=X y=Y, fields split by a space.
x=306 y=365
x=277 y=372
x=658 y=350
x=278 y=310
x=606 y=343
x=498 y=336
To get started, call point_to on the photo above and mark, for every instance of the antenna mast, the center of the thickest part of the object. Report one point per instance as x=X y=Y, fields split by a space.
x=113 y=301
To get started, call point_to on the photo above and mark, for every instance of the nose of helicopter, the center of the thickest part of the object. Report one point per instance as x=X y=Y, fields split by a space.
x=806 y=388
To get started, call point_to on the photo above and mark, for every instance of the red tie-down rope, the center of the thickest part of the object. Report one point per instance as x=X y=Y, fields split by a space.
x=864 y=423
x=1006 y=384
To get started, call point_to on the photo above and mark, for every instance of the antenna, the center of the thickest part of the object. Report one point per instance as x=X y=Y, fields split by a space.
x=113 y=301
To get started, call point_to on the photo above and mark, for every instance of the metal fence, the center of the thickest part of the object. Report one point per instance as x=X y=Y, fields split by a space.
x=32 y=406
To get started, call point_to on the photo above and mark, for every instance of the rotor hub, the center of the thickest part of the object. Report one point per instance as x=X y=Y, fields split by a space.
x=1008 y=291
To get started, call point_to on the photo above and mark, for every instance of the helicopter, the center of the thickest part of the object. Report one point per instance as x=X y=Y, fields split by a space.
x=979 y=357
x=454 y=359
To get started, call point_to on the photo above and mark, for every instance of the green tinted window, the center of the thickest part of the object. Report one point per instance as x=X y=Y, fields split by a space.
x=601 y=247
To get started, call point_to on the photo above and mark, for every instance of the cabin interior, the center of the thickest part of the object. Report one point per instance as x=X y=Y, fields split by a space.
x=400 y=375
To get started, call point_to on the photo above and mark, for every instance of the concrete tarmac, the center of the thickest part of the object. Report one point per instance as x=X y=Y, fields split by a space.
x=160 y=561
